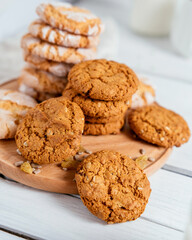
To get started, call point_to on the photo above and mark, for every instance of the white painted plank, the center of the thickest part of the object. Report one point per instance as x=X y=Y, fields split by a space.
x=61 y=216
x=8 y=236
x=170 y=199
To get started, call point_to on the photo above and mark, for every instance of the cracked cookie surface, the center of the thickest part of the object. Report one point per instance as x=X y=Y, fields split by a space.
x=103 y=128
x=51 y=131
x=69 y=18
x=103 y=80
x=96 y=108
x=159 y=126
x=47 y=33
x=36 y=46
x=58 y=69
x=112 y=186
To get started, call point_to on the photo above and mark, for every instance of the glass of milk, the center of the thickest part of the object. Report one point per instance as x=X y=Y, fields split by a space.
x=152 y=17
x=181 y=33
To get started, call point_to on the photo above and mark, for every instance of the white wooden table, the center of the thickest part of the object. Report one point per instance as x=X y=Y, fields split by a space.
x=26 y=213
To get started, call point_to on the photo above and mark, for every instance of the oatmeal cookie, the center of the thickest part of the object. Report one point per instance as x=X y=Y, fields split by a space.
x=36 y=46
x=112 y=186
x=103 y=128
x=50 y=34
x=159 y=126
x=103 y=80
x=51 y=132
x=95 y=108
x=104 y=120
x=69 y=18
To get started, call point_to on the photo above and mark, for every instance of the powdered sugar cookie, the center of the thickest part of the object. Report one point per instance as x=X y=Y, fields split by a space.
x=58 y=69
x=50 y=34
x=145 y=95
x=8 y=124
x=42 y=81
x=39 y=96
x=69 y=18
x=13 y=106
x=56 y=53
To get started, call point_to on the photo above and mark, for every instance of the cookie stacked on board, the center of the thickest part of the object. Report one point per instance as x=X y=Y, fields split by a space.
x=63 y=36
x=103 y=89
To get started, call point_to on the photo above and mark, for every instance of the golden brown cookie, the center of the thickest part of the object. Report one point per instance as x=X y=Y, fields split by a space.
x=53 y=35
x=103 y=128
x=145 y=95
x=104 y=120
x=13 y=107
x=51 y=132
x=42 y=81
x=58 y=69
x=159 y=125
x=95 y=108
x=43 y=49
x=69 y=18
x=112 y=186
x=103 y=80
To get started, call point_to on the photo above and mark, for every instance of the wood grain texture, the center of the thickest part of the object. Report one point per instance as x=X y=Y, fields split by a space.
x=52 y=178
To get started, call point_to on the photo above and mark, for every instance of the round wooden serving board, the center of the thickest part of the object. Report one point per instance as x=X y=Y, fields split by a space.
x=52 y=178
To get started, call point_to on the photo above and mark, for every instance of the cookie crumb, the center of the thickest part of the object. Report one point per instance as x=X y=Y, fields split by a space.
x=69 y=163
x=34 y=165
x=18 y=164
x=36 y=171
x=142 y=161
x=65 y=169
x=78 y=158
x=74 y=179
x=26 y=167
x=85 y=156
x=18 y=151
x=88 y=151
x=151 y=159
x=81 y=150
x=142 y=151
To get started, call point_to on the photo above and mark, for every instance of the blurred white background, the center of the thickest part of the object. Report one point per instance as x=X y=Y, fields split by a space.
x=144 y=53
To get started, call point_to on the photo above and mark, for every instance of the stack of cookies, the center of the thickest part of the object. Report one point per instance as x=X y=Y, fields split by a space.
x=103 y=89
x=63 y=36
